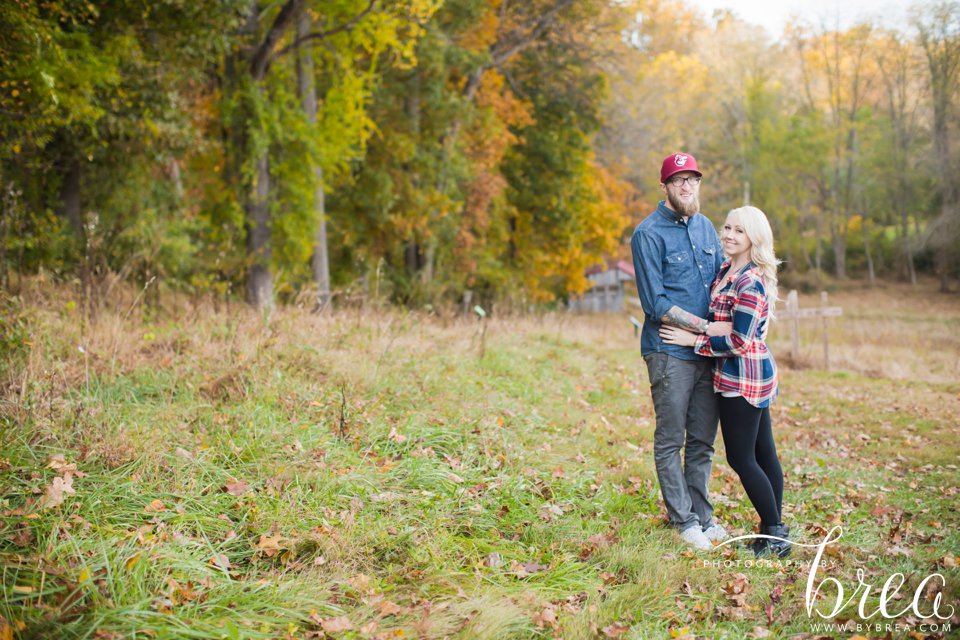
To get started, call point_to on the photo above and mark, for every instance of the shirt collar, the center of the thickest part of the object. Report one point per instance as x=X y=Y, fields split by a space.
x=670 y=214
x=725 y=268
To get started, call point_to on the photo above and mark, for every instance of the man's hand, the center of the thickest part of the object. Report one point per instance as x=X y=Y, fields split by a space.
x=719 y=329
x=673 y=335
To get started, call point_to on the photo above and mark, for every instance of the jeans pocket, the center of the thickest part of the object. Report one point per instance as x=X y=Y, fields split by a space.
x=656 y=368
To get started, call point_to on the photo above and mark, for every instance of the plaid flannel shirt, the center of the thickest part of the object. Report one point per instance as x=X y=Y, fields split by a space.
x=744 y=364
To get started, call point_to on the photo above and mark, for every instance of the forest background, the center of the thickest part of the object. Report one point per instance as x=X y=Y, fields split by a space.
x=300 y=151
x=175 y=463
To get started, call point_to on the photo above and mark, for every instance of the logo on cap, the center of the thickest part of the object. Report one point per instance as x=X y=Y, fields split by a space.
x=680 y=159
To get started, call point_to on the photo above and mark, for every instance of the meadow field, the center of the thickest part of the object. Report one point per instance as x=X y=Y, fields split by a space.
x=381 y=473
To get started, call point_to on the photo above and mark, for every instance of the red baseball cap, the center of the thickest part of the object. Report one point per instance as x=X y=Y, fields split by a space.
x=677 y=162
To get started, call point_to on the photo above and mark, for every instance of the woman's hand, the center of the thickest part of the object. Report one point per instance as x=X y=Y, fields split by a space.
x=673 y=335
x=719 y=329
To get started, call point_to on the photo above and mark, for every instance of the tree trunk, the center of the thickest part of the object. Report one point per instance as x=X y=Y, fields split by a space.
x=907 y=248
x=256 y=197
x=429 y=260
x=260 y=278
x=871 y=275
x=840 y=255
x=818 y=250
x=319 y=262
x=412 y=258
x=70 y=205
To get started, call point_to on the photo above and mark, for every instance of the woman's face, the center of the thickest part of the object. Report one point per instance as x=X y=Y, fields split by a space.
x=736 y=244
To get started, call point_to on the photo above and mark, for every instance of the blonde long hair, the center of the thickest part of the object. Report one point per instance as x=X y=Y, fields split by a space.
x=757 y=228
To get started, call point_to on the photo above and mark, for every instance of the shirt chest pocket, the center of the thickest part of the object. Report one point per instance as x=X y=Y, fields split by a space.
x=676 y=263
x=722 y=304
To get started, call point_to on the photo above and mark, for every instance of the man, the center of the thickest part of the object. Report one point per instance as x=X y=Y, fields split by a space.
x=676 y=256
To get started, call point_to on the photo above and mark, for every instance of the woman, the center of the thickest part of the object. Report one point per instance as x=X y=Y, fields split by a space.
x=745 y=375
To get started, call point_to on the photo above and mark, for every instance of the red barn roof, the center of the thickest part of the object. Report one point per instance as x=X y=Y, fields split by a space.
x=611 y=265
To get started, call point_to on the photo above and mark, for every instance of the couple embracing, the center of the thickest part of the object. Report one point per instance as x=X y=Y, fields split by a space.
x=707 y=302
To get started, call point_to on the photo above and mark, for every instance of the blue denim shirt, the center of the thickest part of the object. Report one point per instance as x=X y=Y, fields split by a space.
x=675 y=261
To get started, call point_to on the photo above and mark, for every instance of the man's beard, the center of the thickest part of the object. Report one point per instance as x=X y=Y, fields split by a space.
x=684 y=209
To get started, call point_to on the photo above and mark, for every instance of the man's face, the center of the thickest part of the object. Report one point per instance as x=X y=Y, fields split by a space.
x=683 y=192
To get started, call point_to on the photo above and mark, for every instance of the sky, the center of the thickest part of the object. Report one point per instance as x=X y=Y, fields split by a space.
x=773 y=14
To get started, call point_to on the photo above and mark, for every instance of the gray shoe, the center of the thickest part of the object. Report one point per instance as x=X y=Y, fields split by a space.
x=716 y=533
x=694 y=537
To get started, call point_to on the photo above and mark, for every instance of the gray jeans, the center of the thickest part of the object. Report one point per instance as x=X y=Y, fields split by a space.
x=686 y=409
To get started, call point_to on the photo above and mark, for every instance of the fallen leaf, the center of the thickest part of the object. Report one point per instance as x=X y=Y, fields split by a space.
x=615 y=630
x=269 y=544
x=776 y=593
x=547 y=617
x=237 y=487
x=738 y=584
x=359 y=581
x=59 y=464
x=533 y=567
x=336 y=625
x=396 y=436
x=220 y=561
x=155 y=507
x=738 y=599
x=388 y=608
x=493 y=560
x=54 y=494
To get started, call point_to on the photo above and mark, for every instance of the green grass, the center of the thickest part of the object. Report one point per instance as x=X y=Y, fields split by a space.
x=242 y=479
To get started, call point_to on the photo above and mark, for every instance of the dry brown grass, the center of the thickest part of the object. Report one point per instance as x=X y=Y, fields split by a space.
x=893 y=331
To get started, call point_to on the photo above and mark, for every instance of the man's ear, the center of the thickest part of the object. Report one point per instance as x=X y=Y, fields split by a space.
x=663 y=188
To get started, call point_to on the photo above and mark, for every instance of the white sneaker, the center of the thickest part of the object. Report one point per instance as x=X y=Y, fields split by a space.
x=694 y=537
x=716 y=533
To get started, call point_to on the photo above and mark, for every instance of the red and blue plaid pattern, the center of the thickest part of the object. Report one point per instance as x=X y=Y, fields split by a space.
x=745 y=366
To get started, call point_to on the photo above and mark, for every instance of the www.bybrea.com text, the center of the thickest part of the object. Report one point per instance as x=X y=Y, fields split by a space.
x=879 y=627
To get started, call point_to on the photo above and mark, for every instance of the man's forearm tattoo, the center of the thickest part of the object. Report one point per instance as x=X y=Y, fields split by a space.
x=684 y=319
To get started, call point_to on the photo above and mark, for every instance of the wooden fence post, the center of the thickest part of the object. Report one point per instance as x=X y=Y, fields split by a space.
x=793 y=313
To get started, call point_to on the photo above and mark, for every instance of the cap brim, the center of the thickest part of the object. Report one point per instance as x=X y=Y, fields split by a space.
x=668 y=176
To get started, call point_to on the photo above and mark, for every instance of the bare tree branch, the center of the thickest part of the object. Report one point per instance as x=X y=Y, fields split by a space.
x=513 y=43
x=264 y=53
x=320 y=35
x=526 y=35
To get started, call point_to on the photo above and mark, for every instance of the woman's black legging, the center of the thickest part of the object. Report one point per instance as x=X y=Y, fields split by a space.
x=748 y=438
